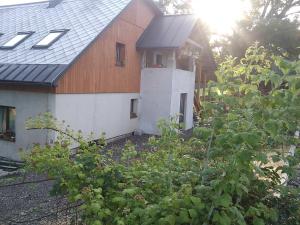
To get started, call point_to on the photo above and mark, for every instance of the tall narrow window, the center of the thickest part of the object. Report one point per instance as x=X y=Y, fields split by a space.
x=120 y=54
x=159 y=60
x=133 y=108
x=50 y=39
x=16 y=40
x=7 y=123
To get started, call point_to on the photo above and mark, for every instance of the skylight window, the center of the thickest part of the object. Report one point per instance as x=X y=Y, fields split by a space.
x=16 y=40
x=52 y=37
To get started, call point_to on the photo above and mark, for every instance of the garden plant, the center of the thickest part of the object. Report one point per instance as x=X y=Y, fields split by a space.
x=228 y=172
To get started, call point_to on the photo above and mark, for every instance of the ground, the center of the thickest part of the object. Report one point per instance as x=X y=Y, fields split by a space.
x=23 y=201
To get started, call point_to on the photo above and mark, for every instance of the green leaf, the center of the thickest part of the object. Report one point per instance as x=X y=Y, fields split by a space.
x=193 y=213
x=224 y=200
x=221 y=218
x=258 y=221
x=130 y=191
x=97 y=222
x=271 y=126
x=184 y=217
x=197 y=202
x=119 y=200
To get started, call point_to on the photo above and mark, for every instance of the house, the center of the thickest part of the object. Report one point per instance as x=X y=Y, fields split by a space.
x=113 y=66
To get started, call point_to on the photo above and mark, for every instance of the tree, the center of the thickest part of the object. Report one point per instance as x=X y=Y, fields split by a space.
x=175 y=6
x=273 y=23
x=275 y=9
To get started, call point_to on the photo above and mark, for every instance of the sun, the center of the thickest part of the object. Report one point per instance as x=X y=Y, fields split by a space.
x=220 y=15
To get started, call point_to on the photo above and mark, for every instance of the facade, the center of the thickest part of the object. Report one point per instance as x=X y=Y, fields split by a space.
x=111 y=66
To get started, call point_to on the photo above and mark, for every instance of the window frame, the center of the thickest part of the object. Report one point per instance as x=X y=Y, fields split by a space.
x=159 y=56
x=8 y=134
x=27 y=33
x=120 y=54
x=134 y=108
x=62 y=32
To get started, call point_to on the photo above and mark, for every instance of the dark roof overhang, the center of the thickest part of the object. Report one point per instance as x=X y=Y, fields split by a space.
x=31 y=74
x=167 y=32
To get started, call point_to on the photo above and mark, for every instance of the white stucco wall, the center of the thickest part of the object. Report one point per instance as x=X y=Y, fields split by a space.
x=27 y=104
x=160 y=96
x=97 y=113
x=183 y=82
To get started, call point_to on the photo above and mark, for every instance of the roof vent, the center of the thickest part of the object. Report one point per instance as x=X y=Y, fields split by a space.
x=53 y=3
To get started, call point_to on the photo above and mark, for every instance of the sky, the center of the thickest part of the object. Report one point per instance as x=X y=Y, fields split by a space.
x=220 y=15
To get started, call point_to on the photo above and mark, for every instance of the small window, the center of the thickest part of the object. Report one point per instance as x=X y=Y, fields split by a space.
x=15 y=41
x=159 y=60
x=52 y=37
x=120 y=54
x=7 y=123
x=133 y=108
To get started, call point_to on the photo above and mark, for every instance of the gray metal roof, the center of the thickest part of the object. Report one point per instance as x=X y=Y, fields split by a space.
x=86 y=19
x=39 y=74
x=167 y=32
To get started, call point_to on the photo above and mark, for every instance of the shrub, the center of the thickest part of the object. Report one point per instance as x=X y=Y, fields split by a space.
x=220 y=176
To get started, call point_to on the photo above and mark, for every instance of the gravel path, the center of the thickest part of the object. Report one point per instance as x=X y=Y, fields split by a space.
x=31 y=204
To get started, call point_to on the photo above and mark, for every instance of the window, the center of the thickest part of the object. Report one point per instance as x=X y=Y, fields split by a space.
x=15 y=41
x=120 y=54
x=7 y=123
x=133 y=108
x=159 y=60
x=52 y=37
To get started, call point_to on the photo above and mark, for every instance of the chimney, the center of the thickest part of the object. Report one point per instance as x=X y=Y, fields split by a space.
x=53 y=3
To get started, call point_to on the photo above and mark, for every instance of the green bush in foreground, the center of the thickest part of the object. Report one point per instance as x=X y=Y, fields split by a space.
x=219 y=176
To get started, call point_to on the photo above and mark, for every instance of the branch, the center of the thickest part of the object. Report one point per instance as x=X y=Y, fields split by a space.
x=58 y=131
x=287 y=7
x=292 y=13
x=265 y=9
x=27 y=182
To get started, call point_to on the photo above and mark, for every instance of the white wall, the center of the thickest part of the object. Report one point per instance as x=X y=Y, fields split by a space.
x=156 y=86
x=27 y=104
x=97 y=113
x=160 y=96
x=183 y=82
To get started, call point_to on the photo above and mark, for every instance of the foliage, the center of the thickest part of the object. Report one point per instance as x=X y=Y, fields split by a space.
x=272 y=23
x=175 y=6
x=219 y=176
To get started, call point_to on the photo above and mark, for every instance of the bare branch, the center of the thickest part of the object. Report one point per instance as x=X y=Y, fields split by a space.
x=27 y=182
x=266 y=6
x=58 y=131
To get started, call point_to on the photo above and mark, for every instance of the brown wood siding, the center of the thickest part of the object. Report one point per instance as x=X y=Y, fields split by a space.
x=96 y=71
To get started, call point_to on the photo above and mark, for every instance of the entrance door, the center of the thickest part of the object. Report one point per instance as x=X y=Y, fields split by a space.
x=182 y=109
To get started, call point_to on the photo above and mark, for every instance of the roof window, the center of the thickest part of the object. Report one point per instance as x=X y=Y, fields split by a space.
x=52 y=37
x=16 y=40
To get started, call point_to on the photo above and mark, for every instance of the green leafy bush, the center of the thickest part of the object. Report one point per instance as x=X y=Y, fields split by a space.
x=220 y=176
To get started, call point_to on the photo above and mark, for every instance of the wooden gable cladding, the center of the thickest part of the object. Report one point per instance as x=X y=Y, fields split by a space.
x=96 y=71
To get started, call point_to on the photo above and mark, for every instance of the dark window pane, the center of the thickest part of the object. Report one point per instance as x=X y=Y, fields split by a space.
x=120 y=54
x=7 y=123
